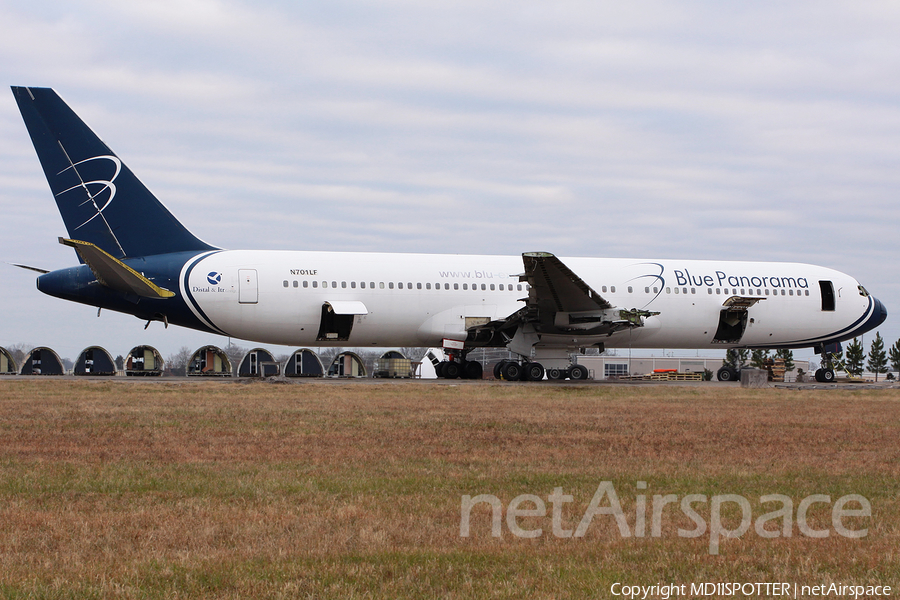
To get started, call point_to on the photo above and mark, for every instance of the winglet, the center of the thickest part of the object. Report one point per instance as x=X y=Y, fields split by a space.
x=115 y=274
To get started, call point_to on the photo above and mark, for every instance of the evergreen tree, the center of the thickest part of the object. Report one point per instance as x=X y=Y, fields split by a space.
x=855 y=358
x=877 y=357
x=758 y=358
x=788 y=357
x=894 y=357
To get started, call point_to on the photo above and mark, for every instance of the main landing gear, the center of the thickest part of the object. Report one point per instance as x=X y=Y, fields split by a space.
x=511 y=370
x=458 y=368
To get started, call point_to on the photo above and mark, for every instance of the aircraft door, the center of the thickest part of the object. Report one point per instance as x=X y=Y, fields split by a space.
x=826 y=288
x=733 y=319
x=248 y=291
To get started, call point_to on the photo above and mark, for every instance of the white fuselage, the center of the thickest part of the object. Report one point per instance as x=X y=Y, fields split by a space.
x=419 y=300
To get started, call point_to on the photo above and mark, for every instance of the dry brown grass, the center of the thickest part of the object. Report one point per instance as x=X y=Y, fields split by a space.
x=208 y=489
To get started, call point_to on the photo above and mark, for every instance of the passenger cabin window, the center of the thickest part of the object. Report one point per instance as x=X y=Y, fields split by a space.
x=827 y=289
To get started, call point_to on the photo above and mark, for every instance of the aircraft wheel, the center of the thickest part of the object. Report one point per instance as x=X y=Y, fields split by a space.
x=534 y=371
x=498 y=369
x=726 y=374
x=439 y=369
x=512 y=371
x=451 y=370
x=578 y=372
x=473 y=369
x=555 y=374
x=827 y=375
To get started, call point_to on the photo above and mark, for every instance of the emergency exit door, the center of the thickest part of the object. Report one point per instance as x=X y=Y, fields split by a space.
x=248 y=292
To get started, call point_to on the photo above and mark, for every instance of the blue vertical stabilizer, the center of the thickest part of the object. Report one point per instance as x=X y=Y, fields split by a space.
x=99 y=198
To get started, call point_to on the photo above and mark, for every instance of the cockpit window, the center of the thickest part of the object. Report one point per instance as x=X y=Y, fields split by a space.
x=863 y=291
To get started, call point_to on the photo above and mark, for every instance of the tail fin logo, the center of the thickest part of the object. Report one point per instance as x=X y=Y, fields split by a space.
x=100 y=192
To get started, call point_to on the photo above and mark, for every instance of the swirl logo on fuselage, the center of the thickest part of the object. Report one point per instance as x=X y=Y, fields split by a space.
x=653 y=277
x=100 y=192
x=214 y=278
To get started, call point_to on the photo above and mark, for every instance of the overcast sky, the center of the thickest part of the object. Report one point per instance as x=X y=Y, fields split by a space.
x=752 y=131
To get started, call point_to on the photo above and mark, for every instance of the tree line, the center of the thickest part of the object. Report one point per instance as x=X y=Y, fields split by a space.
x=854 y=360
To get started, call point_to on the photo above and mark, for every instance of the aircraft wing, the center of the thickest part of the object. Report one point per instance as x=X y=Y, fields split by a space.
x=555 y=287
x=560 y=308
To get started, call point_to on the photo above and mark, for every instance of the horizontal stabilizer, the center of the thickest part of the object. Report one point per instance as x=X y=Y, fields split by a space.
x=41 y=271
x=115 y=274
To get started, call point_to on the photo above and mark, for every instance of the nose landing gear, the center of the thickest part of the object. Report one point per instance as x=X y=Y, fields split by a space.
x=825 y=374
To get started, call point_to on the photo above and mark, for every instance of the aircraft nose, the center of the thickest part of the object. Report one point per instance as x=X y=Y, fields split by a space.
x=879 y=313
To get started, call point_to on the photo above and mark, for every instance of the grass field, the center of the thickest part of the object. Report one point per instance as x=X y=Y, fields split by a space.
x=228 y=490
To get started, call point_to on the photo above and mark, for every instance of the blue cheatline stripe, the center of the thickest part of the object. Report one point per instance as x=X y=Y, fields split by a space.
x=846 y=332
x=190 y=297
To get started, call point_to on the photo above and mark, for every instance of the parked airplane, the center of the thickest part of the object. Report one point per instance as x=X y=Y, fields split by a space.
x=138 y=259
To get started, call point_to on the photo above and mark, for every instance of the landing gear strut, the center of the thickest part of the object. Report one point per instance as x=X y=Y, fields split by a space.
x=825 y=374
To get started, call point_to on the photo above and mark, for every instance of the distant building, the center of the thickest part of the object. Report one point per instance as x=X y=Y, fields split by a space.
x=94 y=360
x=42 y=361
x=144 y=361
x=608 y=367
x=209 y=361
x=347 y=364
x=8 y=364
x=304 y=363
x=258 y=363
